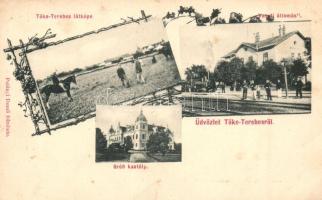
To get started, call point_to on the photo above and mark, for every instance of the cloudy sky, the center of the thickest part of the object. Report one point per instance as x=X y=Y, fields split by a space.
x=159 y=115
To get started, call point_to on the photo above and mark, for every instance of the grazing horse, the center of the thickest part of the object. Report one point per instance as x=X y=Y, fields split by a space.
x=186 y=10
x=48 y=89
x=235 y=18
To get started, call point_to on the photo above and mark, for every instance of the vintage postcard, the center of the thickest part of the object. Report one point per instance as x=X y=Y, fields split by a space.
x=160 y=99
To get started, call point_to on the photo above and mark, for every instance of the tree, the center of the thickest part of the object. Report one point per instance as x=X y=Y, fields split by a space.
x=196 y=72
x=229 y=71
x=177 y=147
x=298 y=68
x=114 y=148
x=270 y=71
x=221 y=71
x=248 y=71
x=308 y=52
x=158 y=142
x=101 y=141
x=128 y=144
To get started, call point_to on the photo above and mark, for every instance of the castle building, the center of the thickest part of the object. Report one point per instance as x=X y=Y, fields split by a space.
x=139 y=132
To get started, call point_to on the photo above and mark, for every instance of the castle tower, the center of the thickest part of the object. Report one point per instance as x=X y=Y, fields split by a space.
x=140 y=132
x=110 y=135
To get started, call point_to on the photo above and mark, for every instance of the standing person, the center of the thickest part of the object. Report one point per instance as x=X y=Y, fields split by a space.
x=267 y=87
x=138 y=70
x=55 y=79
x=258 y=92
x=279 y=88
x=223 y=87
x=121 y=74
x=299 y=86
x=244 y=85
x=253 y=88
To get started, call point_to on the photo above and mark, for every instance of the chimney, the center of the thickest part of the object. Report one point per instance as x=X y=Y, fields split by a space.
x=280 y=31
x=283 y=30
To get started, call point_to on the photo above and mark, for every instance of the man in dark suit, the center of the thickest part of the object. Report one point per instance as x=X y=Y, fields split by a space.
x=244 y=90
x=299 y=86
x=267 y=87
x=138 y=70
x=121 y=74
x=55 y=79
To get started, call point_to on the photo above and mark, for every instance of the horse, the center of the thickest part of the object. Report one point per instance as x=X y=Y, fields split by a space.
x=56 y=89
x=186 y=10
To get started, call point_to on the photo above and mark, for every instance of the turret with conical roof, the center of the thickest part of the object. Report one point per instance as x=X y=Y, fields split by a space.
x=111 y=130
x=140 y=132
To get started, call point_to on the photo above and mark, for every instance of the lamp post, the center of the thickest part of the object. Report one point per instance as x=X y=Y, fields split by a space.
x=284 y=61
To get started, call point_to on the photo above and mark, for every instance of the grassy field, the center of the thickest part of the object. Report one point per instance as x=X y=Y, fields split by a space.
x=92 y=88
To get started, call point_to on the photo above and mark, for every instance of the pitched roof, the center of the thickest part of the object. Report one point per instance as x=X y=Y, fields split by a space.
x=265 y=44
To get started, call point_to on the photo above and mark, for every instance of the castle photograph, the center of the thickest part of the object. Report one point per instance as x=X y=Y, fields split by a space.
x=138 y=134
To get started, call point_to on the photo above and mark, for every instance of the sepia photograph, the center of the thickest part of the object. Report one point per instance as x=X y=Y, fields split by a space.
x=138 y=133
x=126 y=62
x=246 y=69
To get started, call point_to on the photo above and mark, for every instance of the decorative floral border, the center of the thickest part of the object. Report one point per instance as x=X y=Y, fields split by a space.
x=214 y=17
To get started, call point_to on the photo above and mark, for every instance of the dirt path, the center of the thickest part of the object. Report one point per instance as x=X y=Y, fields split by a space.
x=141 y=156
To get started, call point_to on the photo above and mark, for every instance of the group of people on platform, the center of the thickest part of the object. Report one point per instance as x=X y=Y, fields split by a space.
x=246 y=87
x=255 y=89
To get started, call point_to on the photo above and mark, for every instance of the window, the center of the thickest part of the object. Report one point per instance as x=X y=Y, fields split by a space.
x=294 y=42
x=136 y=136
x=136 y=144
x=143 y=136
x=137 y=126
x=265 y=56
x=292 y=55
x=250 y=58
x=143 y=126
x=299 y=55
